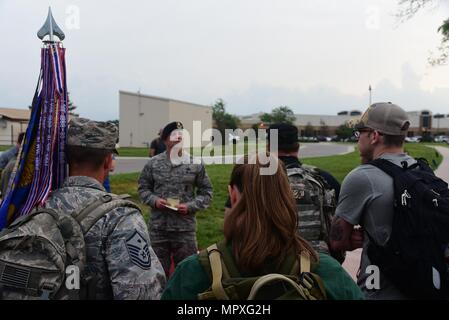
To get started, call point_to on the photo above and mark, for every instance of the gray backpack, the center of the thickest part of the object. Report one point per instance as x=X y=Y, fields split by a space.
x=43 y=253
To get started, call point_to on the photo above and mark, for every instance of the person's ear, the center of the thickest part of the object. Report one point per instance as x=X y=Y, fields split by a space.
x=107 y=164
x=376 y=137
x=234 y=195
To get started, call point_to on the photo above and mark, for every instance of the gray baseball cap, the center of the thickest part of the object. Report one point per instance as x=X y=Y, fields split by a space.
x=92 y=134
x=386 y=118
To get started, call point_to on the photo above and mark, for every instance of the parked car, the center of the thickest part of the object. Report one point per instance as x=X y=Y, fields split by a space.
x=414 y=139
x=307 y=139
x=441 y=139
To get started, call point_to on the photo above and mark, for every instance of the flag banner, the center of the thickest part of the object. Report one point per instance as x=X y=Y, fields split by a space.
x=41 y=165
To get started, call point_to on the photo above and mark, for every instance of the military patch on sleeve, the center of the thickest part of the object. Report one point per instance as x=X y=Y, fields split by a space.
x=139 y=251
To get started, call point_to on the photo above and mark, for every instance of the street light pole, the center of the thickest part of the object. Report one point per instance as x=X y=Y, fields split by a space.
x=370 y=95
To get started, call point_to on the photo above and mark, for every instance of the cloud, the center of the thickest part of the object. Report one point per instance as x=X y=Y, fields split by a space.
x=322 y=99
x=317 y=56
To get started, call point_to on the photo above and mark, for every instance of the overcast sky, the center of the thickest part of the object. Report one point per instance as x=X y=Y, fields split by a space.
x=316 y=56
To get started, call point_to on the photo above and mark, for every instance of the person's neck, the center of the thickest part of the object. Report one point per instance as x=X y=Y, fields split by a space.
x=169 y=152
x=383 y=150
x=288 y=154
x=97 y=175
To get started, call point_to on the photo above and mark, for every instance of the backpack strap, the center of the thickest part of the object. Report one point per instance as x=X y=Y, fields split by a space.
x=98 y=208
x=262 y=281
x=305 y=261
x=229 y=266
x=393 y=170
x=217 y=272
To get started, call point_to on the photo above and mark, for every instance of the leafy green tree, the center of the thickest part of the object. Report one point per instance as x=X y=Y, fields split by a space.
x=223 y=120
x=280 y=114
x=408 y=9
x=266 y=118
x=324 y=129
x=309 y=130
x=344 y=132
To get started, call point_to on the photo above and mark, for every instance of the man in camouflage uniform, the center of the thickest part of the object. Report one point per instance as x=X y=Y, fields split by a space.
x=315 y=191
x=173 y=174
x=117 y=246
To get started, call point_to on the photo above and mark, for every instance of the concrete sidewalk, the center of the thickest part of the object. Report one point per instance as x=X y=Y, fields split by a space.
x=443 y=169
x=352 y=261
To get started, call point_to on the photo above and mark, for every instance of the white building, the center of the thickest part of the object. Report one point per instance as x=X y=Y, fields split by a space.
x=142 y=116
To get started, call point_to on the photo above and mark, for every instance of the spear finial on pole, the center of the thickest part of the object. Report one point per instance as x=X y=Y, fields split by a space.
x=50 y=28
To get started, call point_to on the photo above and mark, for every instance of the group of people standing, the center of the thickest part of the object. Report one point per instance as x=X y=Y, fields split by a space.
x=296 y=223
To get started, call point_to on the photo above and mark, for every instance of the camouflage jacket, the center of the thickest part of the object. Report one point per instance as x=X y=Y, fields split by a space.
x=315 y=202
x=161 y=178
x=7 y=155
x=108 y=244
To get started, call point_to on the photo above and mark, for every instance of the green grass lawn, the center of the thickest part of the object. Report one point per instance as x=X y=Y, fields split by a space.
x=133 y=152
x=210 y=221
x=3 y=148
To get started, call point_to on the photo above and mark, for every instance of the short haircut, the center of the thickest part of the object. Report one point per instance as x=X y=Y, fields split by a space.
x=86 y=157
x=393 y=141
x=20 y=137
x=292 y=147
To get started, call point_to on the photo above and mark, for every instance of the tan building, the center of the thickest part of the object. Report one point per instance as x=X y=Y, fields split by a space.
x=12 y=122
x=141 y=117
x=421 y=121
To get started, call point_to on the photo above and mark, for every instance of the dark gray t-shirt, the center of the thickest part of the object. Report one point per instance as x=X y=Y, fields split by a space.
x=366 y=199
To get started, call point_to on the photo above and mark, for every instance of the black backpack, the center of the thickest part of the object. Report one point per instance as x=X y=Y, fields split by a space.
x=413 y=258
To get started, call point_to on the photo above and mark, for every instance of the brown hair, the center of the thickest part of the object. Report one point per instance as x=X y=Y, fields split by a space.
x=262 y=225
x=86 y=157
x=393 y=141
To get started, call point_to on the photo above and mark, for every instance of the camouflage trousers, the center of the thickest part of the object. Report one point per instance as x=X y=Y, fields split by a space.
x=168 y=244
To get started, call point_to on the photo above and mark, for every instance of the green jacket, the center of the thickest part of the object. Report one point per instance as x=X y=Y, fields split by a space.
x=190 y=279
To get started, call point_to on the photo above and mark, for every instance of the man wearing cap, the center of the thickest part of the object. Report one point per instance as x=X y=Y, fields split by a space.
x=119 y=256
x=366 y=196
x=167 y=184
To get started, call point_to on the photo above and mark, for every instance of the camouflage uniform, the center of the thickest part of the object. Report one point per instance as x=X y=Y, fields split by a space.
x=171 y=232
x=315 y=203
x=117 y=246
x=6 y=175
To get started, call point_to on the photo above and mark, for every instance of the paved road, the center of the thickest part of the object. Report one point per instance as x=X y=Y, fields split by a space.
x=130 y=164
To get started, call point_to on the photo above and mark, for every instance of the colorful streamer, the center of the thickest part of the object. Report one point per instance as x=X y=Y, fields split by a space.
x=41 y=165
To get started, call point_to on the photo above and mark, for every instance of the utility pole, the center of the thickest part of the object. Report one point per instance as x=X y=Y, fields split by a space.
x=370 y=95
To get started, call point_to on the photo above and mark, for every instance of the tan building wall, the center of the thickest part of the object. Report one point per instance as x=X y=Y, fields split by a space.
x=141 y=117
x=334 y=121
x=10 y=129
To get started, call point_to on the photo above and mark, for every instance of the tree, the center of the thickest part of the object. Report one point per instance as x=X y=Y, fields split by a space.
x=71 y=106
x=324 y=129
x=280 y=114
x=344 y=132
x=309 y=130
x=408 y=9
x=266 y=118
x=223 y=120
